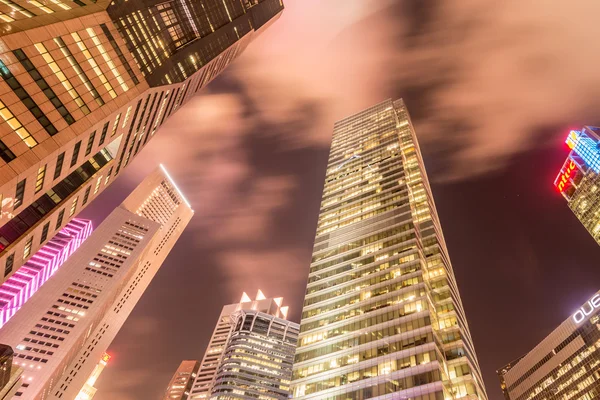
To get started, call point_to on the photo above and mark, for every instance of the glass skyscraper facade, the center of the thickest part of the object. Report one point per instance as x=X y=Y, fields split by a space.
x=579 y=179
x=382 y=316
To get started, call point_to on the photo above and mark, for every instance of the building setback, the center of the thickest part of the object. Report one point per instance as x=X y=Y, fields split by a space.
x=579 y=178
x=258 y=358
x=61 y=333
x=181 y=383
x=564 y=365
x=216 y=347
x=382 y=316
x=85 y=84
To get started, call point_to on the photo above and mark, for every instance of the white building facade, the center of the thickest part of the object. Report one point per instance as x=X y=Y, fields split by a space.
x=67 y=326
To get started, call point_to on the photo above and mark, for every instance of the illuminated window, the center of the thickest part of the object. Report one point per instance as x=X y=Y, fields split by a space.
x=15 y=125
x=67 y=53
x=73 y=206
x=59 y=163
x=26 y=99
x=171 y=23
x=126 y=117
x=116 y=125
x=20 y=193
x=43 y=85
x=103 y=134
x=61 y=5
x=27 y=249
x=63 y=79
x=18 y=8
x=6 y=18
x=40 y=6
x=108 y=176
x=39 y=182
x=117 y=50
x=93 y=64
x=107 y=59
x=98 y=184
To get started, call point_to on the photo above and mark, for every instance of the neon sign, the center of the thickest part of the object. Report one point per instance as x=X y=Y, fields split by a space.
x=572 y=139
x=19 y=288
x=587 y=309
x=565 y=175
x=586 y=148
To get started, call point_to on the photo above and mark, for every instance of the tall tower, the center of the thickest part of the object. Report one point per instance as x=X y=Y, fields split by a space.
x=579 y=178
x=181 y=383
x=62 y=332
x=85 y=84
x=382 y=313
x=223 y=330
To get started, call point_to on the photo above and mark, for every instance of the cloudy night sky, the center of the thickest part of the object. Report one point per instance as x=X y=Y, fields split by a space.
x=493 y=88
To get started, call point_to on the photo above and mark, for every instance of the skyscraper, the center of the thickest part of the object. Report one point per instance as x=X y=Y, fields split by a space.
x=181 y=383
x=258 y=358
x=382 y=313
x=579 y=178
x=62 y=332
x=564 y=365
x=85 y=84
x=216 y=346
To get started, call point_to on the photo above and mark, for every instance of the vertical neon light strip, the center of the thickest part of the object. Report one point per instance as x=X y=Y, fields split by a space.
x=40 y=267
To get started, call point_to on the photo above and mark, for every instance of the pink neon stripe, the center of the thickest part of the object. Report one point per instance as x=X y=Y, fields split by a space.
x=41 y=266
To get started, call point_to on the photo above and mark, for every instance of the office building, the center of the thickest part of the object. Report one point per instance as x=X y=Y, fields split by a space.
x=181 y=383
x=64 y=329
x=579 y=178
x=214 y=352
x=382 y=316
x=84 y=85
x=10 y=373
x=257 y=359
x=15 y=291
x=88 y=390
x=564 y=365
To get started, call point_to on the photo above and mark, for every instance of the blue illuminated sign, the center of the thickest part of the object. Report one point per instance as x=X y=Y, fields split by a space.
x=586 y=148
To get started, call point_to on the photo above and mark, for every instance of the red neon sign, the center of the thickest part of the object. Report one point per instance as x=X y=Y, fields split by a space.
x=564 y=176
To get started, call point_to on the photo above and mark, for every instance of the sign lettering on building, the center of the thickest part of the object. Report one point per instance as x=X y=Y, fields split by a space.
x=587 y=309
